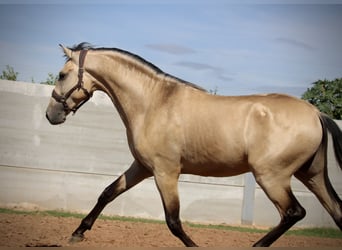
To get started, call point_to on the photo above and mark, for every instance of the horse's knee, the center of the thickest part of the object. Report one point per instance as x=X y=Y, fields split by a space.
x=105 y=196
x=112 y=191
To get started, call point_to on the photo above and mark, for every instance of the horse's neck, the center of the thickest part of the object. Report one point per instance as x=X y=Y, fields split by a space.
x=128 y=85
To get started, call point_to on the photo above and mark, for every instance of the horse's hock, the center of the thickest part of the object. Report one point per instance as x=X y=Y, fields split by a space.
x=66 y=167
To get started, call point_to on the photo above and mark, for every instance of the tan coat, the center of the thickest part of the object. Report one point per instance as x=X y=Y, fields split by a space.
x=174 y=127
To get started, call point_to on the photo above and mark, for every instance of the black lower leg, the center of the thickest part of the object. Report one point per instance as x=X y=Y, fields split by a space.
x=107 y=196
x=87 y=222
x=134 y=175
x=169 y=194
x=291 y=216
x=176 y=228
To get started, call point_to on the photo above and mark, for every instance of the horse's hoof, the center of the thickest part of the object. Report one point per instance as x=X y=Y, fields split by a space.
x=76 y=238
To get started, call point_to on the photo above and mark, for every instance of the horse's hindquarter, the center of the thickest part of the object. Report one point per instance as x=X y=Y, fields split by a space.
x=281 y=131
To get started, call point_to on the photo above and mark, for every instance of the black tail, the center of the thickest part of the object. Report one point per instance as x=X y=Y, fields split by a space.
x=336 y=135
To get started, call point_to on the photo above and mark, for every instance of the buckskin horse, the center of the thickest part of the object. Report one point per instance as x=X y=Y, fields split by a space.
x=175 y=127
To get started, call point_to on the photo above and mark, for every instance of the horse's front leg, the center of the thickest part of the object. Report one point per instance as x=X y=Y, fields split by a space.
x=167 y=184
x=135 y=174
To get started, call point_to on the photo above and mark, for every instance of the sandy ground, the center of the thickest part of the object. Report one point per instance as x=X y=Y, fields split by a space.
x=42 y=230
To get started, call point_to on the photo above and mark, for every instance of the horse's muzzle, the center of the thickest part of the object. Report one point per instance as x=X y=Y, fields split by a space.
x=54 y=121
x=56 y=114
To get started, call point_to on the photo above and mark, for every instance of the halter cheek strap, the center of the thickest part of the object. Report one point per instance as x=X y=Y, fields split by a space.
x=62 y=99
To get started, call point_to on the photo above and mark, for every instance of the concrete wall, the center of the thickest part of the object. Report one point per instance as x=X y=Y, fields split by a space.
x=67 y=167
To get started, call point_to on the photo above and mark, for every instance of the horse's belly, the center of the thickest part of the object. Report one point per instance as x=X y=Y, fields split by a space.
x=215 y=152
x=214 y=169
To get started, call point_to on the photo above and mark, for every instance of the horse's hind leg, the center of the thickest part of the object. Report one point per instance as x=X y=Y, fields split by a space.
x=135 y=174
x=315 y=177
x=168 y=189
x=279 y=192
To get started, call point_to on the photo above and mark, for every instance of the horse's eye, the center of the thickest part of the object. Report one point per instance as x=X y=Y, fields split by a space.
x=61 y=76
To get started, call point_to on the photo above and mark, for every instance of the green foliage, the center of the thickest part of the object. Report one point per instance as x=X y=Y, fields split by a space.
x=51 y=79
x=9 y=74
x=327 y=97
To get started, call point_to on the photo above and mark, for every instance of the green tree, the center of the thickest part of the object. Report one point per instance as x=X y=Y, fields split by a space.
x=51 y=79
x=9 y=74
x=326 y=96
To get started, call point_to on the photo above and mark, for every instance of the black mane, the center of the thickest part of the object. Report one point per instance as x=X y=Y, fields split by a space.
x=88 y=46
x=81 y=46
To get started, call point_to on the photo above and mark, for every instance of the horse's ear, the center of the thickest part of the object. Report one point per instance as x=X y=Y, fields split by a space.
x=67 y=52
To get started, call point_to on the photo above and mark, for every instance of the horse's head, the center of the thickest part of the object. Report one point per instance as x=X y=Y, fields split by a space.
x=73 y=87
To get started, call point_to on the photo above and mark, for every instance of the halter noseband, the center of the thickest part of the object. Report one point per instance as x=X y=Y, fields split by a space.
x=62 y=99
